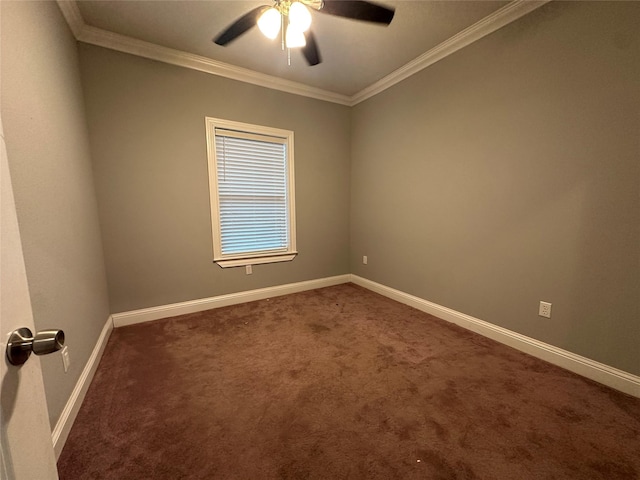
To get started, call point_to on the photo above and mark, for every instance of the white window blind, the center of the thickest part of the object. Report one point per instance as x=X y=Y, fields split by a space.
x=251 y=193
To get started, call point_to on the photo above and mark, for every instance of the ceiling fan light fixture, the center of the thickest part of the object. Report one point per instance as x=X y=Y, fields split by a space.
x=269 y=23
x=292 y=19
x=295 y=38
x=299 y=16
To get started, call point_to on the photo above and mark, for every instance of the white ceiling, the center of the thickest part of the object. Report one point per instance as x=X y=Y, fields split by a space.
x=355 y=54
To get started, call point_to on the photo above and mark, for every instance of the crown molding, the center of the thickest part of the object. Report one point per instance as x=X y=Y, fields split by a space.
x=122 y=43
x=72 y=15
x=505 y=15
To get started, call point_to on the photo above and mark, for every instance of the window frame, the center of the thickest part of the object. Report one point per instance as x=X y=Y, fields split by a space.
x=242 y=259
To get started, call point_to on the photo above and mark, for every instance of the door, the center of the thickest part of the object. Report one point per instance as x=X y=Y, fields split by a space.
x=26 y=451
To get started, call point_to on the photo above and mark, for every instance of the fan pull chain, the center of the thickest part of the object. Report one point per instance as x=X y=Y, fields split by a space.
x=282 y=31
x=288 y=56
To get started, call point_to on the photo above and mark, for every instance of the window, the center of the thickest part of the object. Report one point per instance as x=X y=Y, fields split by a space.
x=252 y=193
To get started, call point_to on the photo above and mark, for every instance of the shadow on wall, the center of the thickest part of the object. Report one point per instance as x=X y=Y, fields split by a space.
x=8 y=397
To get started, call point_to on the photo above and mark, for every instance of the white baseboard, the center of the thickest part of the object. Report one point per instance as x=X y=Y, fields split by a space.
x=612 y=377
x=70 y=411
x=171 y=310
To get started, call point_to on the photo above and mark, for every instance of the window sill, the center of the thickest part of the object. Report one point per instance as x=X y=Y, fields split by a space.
x=241 y=262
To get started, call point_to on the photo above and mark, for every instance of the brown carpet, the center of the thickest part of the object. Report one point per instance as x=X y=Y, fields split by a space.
x=340 y=383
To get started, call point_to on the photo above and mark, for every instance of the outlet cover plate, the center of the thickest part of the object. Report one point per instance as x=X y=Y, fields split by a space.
x=545 y=310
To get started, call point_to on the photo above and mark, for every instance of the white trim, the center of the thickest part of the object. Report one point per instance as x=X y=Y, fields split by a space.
x=241 y=262
x=505 y=15
x=610 y=376
x=72 y=15
x=216 y=127
x=70 y=411
x=122 y=43
x=164 y=311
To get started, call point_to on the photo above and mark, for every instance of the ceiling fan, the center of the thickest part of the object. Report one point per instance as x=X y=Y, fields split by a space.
x=293 y=19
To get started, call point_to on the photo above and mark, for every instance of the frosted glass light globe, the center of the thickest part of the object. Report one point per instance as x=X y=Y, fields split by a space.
x=295 y=38
x=269 y=23
x=299 y=16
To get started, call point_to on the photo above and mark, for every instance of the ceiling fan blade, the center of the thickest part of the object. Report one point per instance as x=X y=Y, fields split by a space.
x=310 y=50
x=358 y=10
x=240 y=26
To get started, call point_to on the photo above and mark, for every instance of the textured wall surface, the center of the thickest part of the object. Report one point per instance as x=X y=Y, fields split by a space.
x=147 y=130
x=49 y=158
x=509 y=173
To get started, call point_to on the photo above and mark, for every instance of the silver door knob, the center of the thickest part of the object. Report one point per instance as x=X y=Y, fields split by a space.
x=22 y=342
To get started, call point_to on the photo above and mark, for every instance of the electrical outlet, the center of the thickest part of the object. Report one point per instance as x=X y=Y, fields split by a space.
x=365 y=259
x=545 y=309
x=249 y=269
x=66 y=361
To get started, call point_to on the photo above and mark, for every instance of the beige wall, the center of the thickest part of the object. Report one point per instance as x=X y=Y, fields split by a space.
x=48 y=151
x=147 y=130
x=509 y=173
